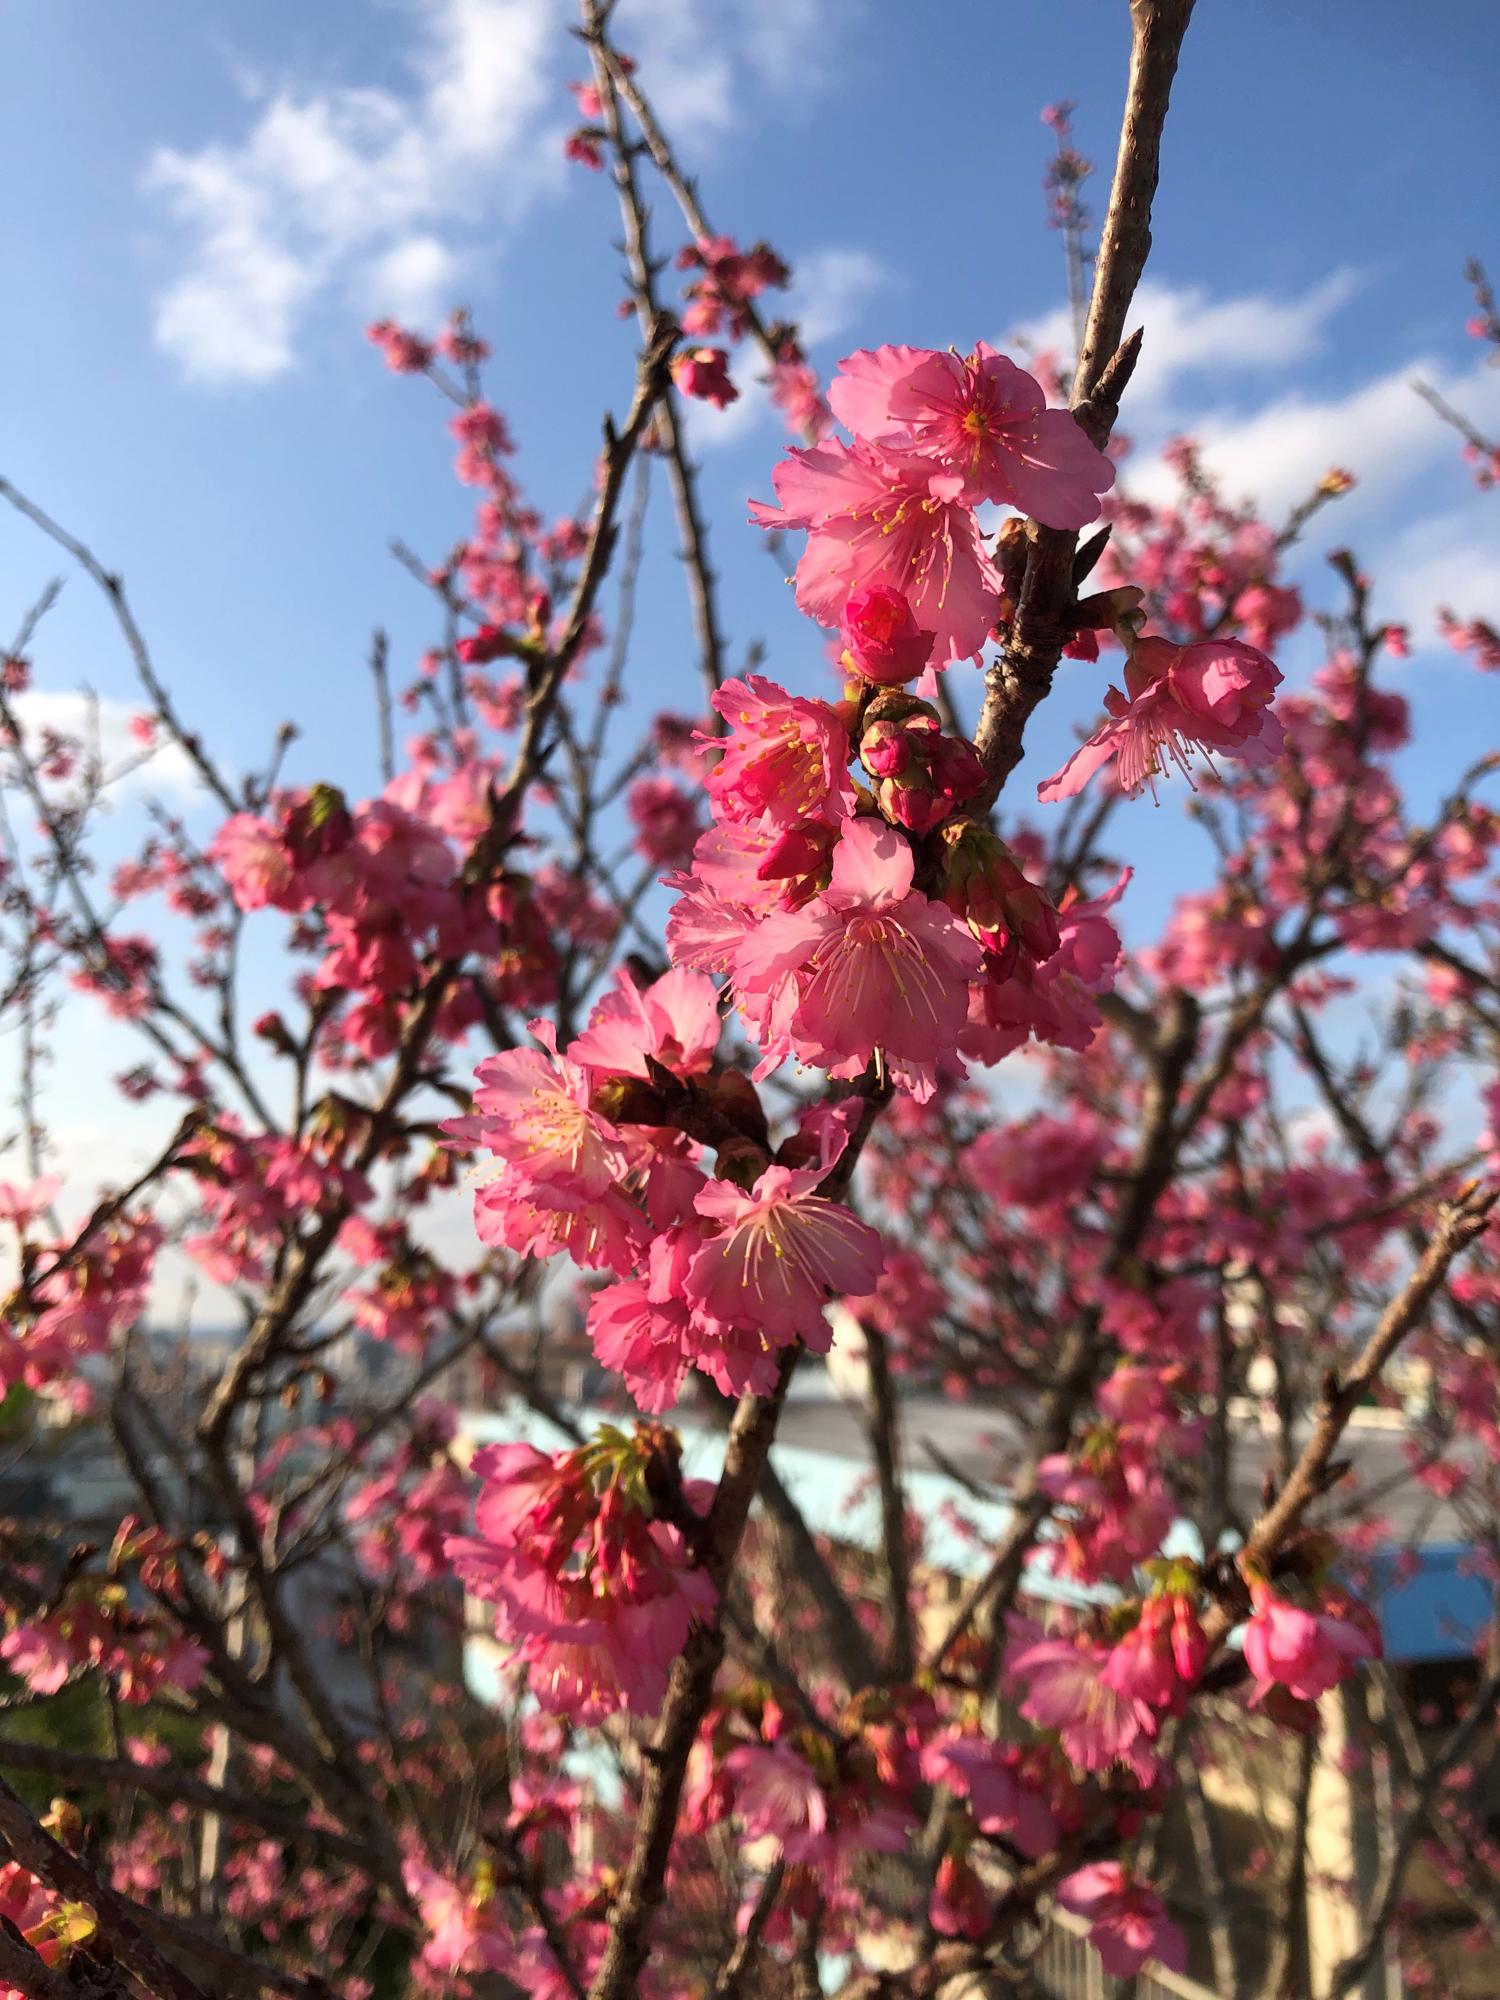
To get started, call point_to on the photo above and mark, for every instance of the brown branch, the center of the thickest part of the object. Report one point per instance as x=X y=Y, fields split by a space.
x=1457 y=1226
x=380 y=676
x=1210 y=1872
x=702 y=582
x=848 y=1646
x=1475 y=439
x=1453 y=1750
x=302 y=1267
x=73 y=1767
x=21 y=1968
x=1287 y=1971
x=730 y=1983
x=114 y=589
x=114 y=1205
x=26 y=1840
x=627 y=86
x=1042 y=625
x=1157 y=31
x=885 y=1444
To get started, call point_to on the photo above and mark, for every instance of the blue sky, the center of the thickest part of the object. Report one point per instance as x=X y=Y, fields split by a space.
x=216 y=198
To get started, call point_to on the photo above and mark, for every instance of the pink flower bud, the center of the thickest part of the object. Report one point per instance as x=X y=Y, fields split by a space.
x=881 y=638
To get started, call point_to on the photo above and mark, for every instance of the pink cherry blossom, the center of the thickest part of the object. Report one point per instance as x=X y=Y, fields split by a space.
x=463 y=1930
x=533 y=1111
x=674 y=1022
x=878 y=517
x=987 y=1774
x=596 y=1595
x=644 y=1328
x=665 y=818
x=882 y=641
x=870 y=965
x=785 y=759
x=1066 y=1692
x=1306 y=1652
x=256 y=864
x=704 y=372
x=1127 y=1921
x=981 y=418
x=777 y=1794
x=783 y=1252
x=1214 y=694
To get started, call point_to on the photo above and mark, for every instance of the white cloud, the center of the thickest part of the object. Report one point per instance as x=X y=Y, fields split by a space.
x=1449 y=559
x=829 y=289
x=340 y=191
x=1203 y=373
x=1200 y=374
x=709 y=429
x=414 y=280
x=1189 y=335
x=696 y=61
x=1380 y=430
x=102 y=726
x=356 y=191
x=231 y=316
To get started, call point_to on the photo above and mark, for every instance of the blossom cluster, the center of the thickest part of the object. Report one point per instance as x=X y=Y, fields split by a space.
x=1131 y=1227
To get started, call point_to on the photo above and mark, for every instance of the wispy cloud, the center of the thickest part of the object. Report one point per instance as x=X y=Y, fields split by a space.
x=1205 y=366
x=1380 y=430
x=697 y=61
x=1450 y=559
x=342 y=191
x=102 y=725
x=370 y=194
x=829 y=290
x=1224 y=370
x=1194 y=341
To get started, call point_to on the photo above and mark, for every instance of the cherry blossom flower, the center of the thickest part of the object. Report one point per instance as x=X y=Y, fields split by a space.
x=981 y=418
x=869 y=965
x=777 y=1795
x=255 y=862
x=1306 y=1652
x=989 y=1776
x=920 y=775
x=674 y=1022
x=704 y=372
x=596 y=1593
x=1214 y=694
x=785 y=759
x=896 y=519
x=783 y=1252
x=532 y=1109
x=464 y=1928
x=1127 y=1921
x=882 y=641
x=1066 y=1692
x=644 y=1328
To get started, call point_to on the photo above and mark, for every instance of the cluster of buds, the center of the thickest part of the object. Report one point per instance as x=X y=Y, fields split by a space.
x=594 y=1588
x=984 y=883
x=920 y=775
x=730 y=279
